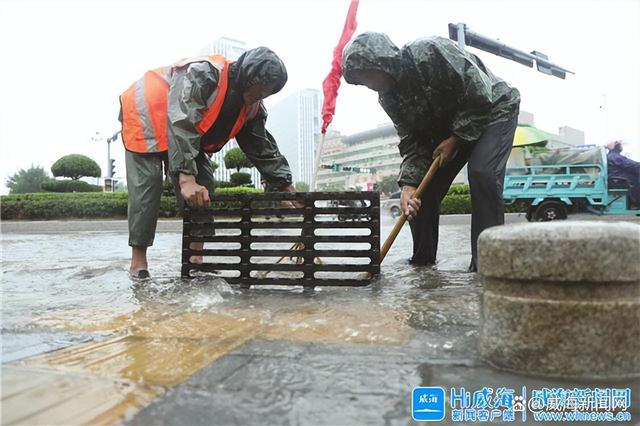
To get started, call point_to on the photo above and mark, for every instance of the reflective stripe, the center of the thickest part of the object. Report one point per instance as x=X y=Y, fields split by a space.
x=145 y=107
x=211 y=114
x=242 y=118
x=132 y=128
x=143 y=113
x=156 y=93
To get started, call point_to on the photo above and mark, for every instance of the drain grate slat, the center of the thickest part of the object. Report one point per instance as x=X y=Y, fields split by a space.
x=253 y=235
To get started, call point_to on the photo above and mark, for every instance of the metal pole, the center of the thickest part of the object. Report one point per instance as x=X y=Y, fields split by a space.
x=109 y=158
x=316 y=164
x=461 y=41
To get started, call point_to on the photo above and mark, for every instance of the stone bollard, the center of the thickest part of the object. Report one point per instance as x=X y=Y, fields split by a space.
x=562 y=299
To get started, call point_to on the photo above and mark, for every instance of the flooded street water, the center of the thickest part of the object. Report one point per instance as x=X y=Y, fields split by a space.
x=74 y=322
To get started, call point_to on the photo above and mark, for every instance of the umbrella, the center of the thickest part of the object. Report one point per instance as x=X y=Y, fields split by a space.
x=529 y=135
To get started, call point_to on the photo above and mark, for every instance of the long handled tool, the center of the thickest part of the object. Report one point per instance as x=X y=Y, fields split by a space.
x=403 y=218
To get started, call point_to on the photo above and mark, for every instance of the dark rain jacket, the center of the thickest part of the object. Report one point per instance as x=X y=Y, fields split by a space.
x=439 y=90
x=190 y=88
x=621 y=166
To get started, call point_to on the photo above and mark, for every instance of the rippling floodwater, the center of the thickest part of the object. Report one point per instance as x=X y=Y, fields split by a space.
x=84 y=277
x=70 y=311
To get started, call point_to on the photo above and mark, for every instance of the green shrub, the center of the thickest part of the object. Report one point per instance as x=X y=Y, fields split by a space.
x=236 y=159
x=458 y=189
x=99 y=205
x=70 y=185
x=86 y=205
x=223 y=184
x=75 y=166
x=167 y=188
x=456 y=204
x=54 y=205
x=240 y=179
x=239 y=190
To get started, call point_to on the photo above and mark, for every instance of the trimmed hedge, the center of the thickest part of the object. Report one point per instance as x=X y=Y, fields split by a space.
x=92 y=205
x=87 y=205
x=219 y=184
x=458 y=189
x=70 y=185
x=456 y=204
x=239 y=190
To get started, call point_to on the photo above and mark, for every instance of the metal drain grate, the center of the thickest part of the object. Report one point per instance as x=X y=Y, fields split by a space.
x=337 y=238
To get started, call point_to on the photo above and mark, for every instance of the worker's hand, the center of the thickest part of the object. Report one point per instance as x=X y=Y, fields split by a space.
x=409 y=205
x=448 y=148
x=196 y=196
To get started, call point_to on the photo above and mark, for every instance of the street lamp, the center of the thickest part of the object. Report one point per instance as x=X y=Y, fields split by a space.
x=461 y=33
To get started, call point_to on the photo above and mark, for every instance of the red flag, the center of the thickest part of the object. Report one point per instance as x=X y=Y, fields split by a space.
x=331 y=84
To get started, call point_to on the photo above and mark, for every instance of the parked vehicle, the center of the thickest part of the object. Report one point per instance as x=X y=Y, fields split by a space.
x=392 y=205
x=557 y=183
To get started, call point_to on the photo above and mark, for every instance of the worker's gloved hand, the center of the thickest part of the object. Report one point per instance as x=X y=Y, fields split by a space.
x=448 y=148
x=409 y=205
x=196 y=196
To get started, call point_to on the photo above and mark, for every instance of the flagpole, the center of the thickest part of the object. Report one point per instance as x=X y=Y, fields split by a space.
x=316 y=163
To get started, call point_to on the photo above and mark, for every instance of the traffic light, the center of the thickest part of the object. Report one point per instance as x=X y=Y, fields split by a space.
x=112 y=168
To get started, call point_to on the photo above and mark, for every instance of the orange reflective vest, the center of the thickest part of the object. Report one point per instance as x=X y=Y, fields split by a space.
x=145 y=109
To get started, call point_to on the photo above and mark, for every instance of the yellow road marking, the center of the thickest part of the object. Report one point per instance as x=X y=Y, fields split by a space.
x=154 y=351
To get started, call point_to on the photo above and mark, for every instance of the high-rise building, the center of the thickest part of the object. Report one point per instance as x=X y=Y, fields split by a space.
x=376 y=149
x=230 y=49
x=295 y=123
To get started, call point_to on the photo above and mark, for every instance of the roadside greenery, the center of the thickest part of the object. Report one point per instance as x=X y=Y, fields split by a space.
x=70 y=185
x=84 y=205
x=27 y=181
x=236 y=159
x=101 y=205
x=75 y=166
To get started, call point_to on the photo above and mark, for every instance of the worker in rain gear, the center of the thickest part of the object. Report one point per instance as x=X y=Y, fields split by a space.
x=620 y=166
x=442 y=101
x=177 y=116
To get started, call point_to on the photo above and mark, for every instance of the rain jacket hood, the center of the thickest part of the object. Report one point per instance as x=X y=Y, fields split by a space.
x=259 y=66
x=371 y=51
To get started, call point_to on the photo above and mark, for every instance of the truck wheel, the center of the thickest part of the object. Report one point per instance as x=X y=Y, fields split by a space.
x=551 y=210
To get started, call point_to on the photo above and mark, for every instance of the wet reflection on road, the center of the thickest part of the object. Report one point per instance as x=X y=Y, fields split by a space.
x=71 y=312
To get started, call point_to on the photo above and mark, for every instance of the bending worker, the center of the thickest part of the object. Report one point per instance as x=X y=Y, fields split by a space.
x=442 y=101
x=179 y=115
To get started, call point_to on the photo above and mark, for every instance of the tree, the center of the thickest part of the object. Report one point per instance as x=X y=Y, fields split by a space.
x=302 y=186
x=235 y=159
x=214 y=166
x=76 y=166
x=240 y=179
x=389 y=184
x=26 y=181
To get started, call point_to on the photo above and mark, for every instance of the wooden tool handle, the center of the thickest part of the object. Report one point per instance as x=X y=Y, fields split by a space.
x=403 y=218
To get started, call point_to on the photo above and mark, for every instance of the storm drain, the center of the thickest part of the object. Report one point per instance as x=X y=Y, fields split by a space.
x=326 y=239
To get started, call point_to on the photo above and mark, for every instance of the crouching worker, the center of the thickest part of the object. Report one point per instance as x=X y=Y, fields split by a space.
x=177 y=116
